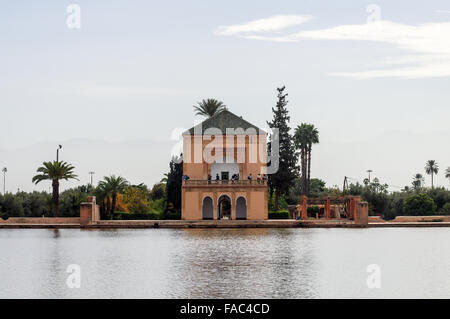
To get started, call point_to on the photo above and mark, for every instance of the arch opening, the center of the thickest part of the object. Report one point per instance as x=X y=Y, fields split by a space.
x=207 y=208
x=224 y=207
x=241 y=208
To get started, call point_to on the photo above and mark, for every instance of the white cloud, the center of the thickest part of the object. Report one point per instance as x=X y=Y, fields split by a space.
x=429 y=44
x=274 y=23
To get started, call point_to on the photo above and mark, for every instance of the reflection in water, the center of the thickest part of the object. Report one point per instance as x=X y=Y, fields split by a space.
x=233 y=263
x=224 y=263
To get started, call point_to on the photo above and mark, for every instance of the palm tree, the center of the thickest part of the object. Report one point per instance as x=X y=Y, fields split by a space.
x=164 y=179
x=431 y=168
x=313 y=138
x=304 y=137
x=209 y=107
x=301 y=143
x=55 y=171
x=447 y=173
x=111 y=186
x=418 y=181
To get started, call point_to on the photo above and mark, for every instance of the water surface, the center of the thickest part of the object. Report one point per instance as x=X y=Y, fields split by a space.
x=225 y=263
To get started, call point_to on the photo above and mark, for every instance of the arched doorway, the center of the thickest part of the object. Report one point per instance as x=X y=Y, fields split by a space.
x=241 y=208
x=207 y=208
x=224 y=207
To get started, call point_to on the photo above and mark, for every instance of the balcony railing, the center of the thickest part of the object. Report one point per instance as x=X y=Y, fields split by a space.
x=225 y=182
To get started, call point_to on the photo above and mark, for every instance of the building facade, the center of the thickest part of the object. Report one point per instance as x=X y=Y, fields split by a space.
x=224 y=168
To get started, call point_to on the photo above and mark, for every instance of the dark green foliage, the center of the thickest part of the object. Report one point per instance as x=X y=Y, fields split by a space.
x=313 y=210
x=281 y=181
x=317 y=189
x=173 y=215
x=173 y=186
x=38 y=204
x=395 y=205
x=12 y=206
x=282 y=202
x=35 y=204
x=279 y=214
x=158 y=191
x=209 y=107
x=440 y=195
x=419 y=205
x=445 y=209
x=374 y=193
x=71 y=199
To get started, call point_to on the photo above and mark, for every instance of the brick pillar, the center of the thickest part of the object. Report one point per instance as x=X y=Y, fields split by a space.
x=354 y=201
x=304 y=207
x=89 y=212
x=233 y=206
x=328 y=208
x=362 y=213
x=215 y=206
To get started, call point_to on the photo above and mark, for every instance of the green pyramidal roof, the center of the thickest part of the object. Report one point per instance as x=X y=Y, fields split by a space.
x=222 y=121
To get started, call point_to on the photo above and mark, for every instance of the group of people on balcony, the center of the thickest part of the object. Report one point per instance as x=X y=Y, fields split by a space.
x=260 y=179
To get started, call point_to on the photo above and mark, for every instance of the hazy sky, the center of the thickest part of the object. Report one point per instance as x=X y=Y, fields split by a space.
x=374 y=77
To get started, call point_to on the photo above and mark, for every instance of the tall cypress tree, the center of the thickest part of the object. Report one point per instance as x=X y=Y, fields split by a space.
x=281 y=181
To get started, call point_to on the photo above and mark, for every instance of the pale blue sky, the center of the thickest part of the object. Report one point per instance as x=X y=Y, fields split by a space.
x=134 y=70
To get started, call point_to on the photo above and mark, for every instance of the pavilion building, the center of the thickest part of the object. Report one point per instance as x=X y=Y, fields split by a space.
x=224 y=168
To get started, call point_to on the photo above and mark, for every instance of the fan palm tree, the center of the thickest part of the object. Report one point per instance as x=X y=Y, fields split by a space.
x=313 y=138
x=431 y=168
x=111 y=186
x=304 y=137
x=447 y=173
x=301 y=143
x=209 y=107
x=54 y=171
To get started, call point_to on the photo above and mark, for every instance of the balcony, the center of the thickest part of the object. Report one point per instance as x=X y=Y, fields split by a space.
x=214 y=183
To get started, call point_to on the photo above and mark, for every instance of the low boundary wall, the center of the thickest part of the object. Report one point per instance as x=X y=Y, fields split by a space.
x=41 y=220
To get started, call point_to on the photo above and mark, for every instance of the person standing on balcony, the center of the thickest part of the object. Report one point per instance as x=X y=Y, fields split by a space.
x=250 y=177
x=217 y=178
x=258 y=178
x=209 y=178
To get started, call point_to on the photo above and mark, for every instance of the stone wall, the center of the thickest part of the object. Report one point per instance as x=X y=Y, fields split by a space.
x=41 y=220
x=416 y=219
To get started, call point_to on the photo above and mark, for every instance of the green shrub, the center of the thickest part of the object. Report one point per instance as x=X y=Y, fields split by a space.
x=279 y=214
x=172 y=215
x=159 y=206
x=419 y=205
x=445 y=209
x=440 y=195
x=282 y=204
x=313 y=210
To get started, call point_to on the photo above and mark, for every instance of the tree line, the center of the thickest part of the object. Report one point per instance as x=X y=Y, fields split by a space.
x=116 y=195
